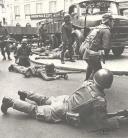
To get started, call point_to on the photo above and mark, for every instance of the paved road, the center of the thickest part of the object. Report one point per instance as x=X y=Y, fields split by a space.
x=116 y=64
x=19 y=125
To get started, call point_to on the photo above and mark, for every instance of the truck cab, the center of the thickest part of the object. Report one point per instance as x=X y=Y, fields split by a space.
x=88 y=14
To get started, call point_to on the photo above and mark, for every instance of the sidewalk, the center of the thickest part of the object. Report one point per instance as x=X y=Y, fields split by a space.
x=119 y=65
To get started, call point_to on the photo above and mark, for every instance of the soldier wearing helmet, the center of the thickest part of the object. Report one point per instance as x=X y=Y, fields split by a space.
x=46 y=72
x=97 y=41
x=42 y=32
x=67 y=38
x=3 y=43
x=23 y=53
x=88 y=102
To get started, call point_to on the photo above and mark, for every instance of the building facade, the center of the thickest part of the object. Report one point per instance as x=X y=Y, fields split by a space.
x=20 y=11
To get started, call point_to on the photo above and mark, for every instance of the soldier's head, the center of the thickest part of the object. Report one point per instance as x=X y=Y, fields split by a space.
x=107 y=19
x=24 y=41
x=67 y=18
x=50 y=69
x=103 y=78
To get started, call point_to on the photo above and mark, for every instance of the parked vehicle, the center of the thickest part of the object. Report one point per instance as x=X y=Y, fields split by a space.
x=88 y=14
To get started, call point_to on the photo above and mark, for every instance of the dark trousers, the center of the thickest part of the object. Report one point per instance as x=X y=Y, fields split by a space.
x=64 y=48
x=5 y=49
x=24 y=62
x=93 y=65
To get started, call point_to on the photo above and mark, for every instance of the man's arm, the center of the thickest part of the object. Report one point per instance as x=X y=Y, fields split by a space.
x=47 y=78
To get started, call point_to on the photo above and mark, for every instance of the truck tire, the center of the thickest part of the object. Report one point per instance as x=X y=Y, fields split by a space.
x=117 y=51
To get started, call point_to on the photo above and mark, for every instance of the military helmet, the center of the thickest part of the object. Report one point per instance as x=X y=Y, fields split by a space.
x=103 y=78
x=50 y=69
x=67 y=16
x=24 y=41
x=106 y=17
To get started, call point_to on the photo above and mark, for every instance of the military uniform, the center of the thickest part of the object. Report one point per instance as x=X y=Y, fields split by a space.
x=53 y=109
x=36 y=71
x=42 y=33
x=90 y=49
x=67 y=40
x=22 y=55
x=88 y=101
x=4 y=45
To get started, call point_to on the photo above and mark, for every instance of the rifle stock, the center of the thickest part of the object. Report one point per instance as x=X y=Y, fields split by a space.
x=67 y=72
x=119 y=113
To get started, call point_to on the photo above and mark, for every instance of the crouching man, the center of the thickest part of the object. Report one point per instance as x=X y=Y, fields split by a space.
x=88 y=101
x=46 y=72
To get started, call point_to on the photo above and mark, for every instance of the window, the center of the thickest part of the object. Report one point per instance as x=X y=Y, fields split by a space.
x=52 y=6
x=17 y=10
x=39 y=8
x=27 y=9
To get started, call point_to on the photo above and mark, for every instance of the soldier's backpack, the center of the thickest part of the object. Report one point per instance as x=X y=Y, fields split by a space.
x=91 y=40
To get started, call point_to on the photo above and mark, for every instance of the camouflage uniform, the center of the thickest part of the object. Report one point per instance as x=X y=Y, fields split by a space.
x=36 y=71
x=54 y=109
x=91 y=53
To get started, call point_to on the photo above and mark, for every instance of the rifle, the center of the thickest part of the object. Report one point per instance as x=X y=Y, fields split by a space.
x=64 y=74
x=119 y=113
x=102 y=56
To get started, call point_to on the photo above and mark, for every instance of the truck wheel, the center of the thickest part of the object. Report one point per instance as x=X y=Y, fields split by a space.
x=117 y=51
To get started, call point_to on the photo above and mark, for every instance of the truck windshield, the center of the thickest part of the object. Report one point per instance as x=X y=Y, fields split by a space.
x=95 y=7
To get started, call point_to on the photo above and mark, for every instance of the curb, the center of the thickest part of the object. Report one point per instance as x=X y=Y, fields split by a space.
x=119 y=73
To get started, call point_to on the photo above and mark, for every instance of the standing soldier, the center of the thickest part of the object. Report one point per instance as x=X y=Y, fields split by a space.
x=94 y=45
x=42 y=33
x=3 y=44
x=67 y=38
x=23 y=53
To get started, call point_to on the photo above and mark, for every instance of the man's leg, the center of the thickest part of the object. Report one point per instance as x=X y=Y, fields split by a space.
x=8 y=51
x=3 y=51
x=18 y=105
x=70 y=48
x=62 y=53
x=89 y=69
x=96 y=66
x=39 y=99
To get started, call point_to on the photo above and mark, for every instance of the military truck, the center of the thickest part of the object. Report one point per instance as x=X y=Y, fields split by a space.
x=18 y=32
x=88 y=14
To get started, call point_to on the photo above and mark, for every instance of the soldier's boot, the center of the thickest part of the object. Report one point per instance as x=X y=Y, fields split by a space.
x=9 y=57
x=4 y=58
x=62 y=62
x=39 y=99
x=6 y=103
